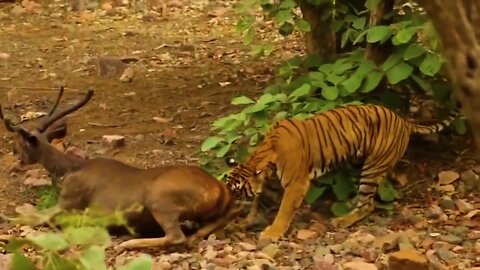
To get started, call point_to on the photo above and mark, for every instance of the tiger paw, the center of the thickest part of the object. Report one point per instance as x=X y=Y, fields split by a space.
x=271 y=234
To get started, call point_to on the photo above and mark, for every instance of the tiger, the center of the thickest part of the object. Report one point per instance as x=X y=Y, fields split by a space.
x=298 y=151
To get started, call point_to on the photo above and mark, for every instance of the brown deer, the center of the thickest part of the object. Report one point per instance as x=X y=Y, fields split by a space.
x=168 y=194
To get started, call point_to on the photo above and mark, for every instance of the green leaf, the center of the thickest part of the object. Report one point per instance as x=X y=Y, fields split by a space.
x=330 y=92
x=286 y=29
x=373 y=79
x=21 y=262
x=223 y=150
x=431 y=64
x=249 y=36
x=325 y=68
x=359 y=23
x=378 y=33
x=143 y=262
x=93 y=258
x=340 y=209
x=345 y=37
x=387 y=192
x=283 y=16
x=314 y=193
x=404 y=36
x=441 y=91
x=336 y=79
x=242 y=100
x=210 y=143
x=399 y=72
x=287 y=4
x=49 y=241
x=413 y=51
x=460 y=126
x=343 y=186
x=359 y=37
x=318 y=76
x=254 y=139
x=302 y=25
x=371 y=4
x=56 y=262
x=352 y=83
x=301 y=91
x=267 y=98
x=424 y=84
x=341 y=65
x=255 y=108
x=391 y=61
x=86 y=235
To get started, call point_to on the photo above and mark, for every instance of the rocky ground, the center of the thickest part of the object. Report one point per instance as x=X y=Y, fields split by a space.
x=181 y=74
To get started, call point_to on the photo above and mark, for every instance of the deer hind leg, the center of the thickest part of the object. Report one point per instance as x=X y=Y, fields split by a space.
x=173 y=234
x=292 y=198
x=214 y=225
x=370 y=179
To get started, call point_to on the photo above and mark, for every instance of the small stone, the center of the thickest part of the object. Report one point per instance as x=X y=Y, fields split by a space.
x=387 y=242
x=434 y=212
x=247 y=246
x=471 y=180
x=451 y=238
x=322 y=251
x=406 y=260
x=446 y=202
x=446 y=188
x=463 y=206
x=307 y=234
x=336 y=248
x=37 y=182
x=439 y=244
x=114 y=141
x=445 y=254
x=161 y=119
x=359 y=266
x=447 y=177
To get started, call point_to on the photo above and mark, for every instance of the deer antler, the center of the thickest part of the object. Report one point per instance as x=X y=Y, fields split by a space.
x=51 y=119
x=60 y=94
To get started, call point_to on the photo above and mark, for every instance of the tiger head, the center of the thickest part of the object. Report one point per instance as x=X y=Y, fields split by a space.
x=246 y=179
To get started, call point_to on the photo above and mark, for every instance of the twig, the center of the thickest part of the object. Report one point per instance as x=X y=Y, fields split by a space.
x=105 y=125
x=38 y=88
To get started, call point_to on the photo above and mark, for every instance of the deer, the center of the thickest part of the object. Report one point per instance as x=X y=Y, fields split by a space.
x=168 y=194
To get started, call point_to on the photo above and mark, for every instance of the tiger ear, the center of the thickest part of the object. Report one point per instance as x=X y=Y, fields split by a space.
x=231 y=162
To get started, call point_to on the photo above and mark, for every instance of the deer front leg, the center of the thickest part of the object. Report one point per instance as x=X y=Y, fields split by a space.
x=173 y=233
x=292 y=198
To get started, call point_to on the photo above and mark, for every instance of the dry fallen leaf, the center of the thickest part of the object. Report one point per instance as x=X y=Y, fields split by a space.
x=447 y=177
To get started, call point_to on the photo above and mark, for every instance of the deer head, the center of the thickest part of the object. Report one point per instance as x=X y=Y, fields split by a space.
x=30 y=145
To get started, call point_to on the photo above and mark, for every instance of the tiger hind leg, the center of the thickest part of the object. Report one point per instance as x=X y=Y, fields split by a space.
x=365 y=204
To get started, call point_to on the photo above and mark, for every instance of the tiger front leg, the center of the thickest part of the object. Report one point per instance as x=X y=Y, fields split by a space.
x=365 y=204
x=292 y=198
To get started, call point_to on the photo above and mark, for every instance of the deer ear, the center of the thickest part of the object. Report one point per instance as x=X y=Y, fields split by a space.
x=57 y=130
x=28 y=137
x=231 y=162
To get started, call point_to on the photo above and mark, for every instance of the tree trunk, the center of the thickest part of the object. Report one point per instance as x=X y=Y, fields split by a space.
x=457 y=23
x=377 y=52
x=321 y=39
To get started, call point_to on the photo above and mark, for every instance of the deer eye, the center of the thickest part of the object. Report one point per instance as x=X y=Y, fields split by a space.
x=257 y=173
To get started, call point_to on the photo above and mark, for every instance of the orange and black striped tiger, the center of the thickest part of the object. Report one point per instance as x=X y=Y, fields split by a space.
x=301 y=150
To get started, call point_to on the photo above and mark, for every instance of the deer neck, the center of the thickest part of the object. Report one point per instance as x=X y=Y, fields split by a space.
x=58 y=163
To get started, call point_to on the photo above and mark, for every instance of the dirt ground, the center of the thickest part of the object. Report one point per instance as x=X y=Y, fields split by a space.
x=187 y=69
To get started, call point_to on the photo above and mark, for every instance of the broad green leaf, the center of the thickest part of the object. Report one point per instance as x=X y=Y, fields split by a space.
x=21 y=262
x=49 y=241
x=399 y=72
x=87 y=235
x=302 y=25
x=391 y=61
x=318 y=76
x=242 y=100
x=283 y=16
x=336 y=79
x=223 y=150
x=387 y=192
x=460 y=126
x=431 y=64
x=341 y=65
x=56 y=262
x=340 y=209
x=325 y=68
x=314 y=193
x=405 y=35
x=267 y=98
x=222 y=122
x=378 y=33
x=255 y=108
x=371 y=82
x=143 y=262
x=287 y=4
x=441 y=91
x=345 y=37
x=210 y=143
x=286 y=29
x=413 y=51
x=301 y=91
x=424 y=84
x=93 y=258
x=352 y=84
x=343 y=187
x=280 y=115
x=359 y=23
x=360 y=37
x=371 y=4
x=330 y=93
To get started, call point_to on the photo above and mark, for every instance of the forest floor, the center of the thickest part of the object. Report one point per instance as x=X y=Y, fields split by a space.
x=187 y=69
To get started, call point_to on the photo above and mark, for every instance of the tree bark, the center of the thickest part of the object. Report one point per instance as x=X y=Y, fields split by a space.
x=457 y=24
x=377 y=52
x=321 y=40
